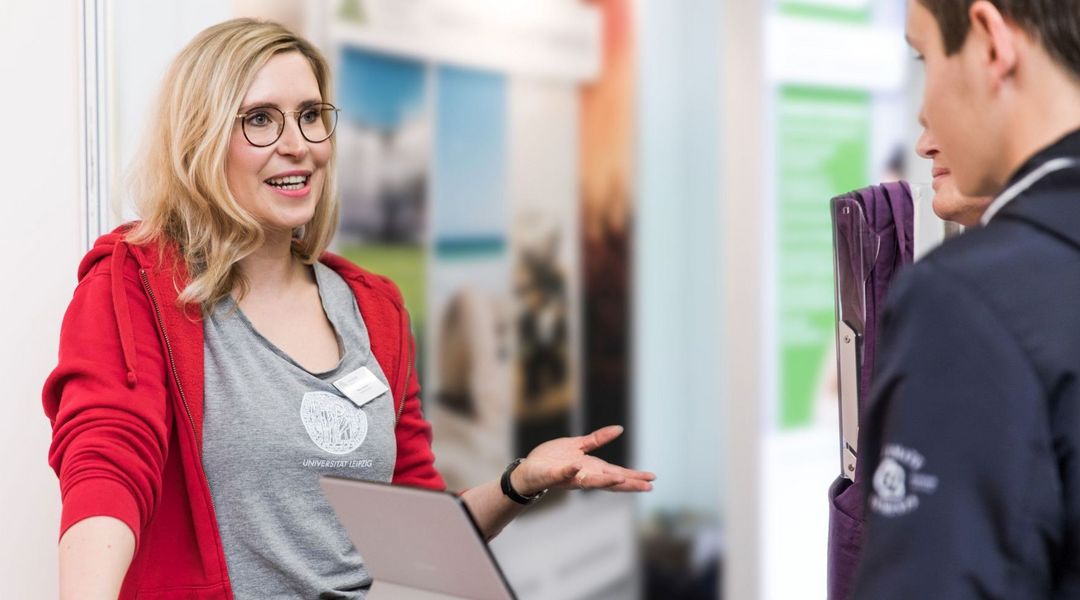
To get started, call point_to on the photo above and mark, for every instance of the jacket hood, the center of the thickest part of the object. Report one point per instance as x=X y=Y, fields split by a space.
x=114 y=248
x=103 y=248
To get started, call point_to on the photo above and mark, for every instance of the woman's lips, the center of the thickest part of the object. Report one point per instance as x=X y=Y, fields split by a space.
x=300 y=193
x=286 y=183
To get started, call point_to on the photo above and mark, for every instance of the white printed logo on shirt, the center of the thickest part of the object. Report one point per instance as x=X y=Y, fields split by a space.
x=333 y=423
x=898 y=482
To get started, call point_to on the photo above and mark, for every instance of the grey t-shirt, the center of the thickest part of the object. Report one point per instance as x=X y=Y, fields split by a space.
x=270 y=429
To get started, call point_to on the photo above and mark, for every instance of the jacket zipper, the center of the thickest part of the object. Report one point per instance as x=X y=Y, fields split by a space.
x=172 y=365
x=408 y=372
x=180 y=387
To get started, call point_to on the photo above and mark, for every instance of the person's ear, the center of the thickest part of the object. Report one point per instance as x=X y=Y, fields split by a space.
x=998 y=40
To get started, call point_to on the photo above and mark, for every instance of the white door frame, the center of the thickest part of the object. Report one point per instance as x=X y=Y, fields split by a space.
x=94 y=121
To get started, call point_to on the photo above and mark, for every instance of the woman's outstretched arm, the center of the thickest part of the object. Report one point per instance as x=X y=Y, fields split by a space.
x=94 y=557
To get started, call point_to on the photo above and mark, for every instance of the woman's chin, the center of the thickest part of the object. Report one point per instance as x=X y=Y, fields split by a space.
x=285 y=224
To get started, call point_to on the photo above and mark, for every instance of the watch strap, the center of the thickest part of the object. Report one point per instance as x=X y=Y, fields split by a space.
x=509 y=491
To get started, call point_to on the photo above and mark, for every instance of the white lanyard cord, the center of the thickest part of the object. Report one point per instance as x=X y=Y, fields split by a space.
x=1022 y=186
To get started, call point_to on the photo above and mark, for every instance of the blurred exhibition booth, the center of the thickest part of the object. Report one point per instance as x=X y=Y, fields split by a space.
x=599 y=211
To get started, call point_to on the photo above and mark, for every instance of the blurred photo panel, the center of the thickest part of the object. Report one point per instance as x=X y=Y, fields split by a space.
x=385 y=146
x=607 y=188
x=543 y=173
x=469 y=387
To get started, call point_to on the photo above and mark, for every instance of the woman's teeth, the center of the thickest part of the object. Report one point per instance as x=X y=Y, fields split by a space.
x=292 y=182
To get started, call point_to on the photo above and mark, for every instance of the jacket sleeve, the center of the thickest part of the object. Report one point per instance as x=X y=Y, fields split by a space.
x=415 y=464
x=109 y=431
x=959 y=449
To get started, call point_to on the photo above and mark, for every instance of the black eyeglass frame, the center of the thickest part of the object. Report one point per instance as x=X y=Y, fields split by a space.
x=323 y=106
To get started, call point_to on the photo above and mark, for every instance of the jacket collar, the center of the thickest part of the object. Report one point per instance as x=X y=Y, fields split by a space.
x=1067 y=146
x=163 y=274
x=1053 y=202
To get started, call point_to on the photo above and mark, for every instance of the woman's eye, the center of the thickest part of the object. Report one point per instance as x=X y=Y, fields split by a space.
x=310 y=115
x=259 y=119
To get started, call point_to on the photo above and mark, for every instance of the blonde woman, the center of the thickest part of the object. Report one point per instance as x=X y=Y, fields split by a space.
x=199 y=392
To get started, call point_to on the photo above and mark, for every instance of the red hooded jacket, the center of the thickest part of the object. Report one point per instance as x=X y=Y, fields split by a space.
x=126 y=406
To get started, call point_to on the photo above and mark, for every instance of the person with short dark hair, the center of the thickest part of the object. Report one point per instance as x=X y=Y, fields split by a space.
x=972 y=430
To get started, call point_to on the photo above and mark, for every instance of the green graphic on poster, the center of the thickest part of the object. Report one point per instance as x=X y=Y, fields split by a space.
x=823 y=149
x=832 y=10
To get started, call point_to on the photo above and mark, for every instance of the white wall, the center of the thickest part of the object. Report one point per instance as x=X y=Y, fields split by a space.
x=144 y=36
x=677 y=320
x=40 y=54
x=39 y=57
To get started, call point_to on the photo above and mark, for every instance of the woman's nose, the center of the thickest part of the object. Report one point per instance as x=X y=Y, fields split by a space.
x=292 y=142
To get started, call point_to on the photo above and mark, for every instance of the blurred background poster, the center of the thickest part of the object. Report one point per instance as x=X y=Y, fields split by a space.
x=839 y=119
x=384 y=150
x=546 y=279
x=607 y=150
x=486 y=168
x=468 y=392
x=823 y=150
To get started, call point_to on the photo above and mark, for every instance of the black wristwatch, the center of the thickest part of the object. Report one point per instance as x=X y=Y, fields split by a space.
x=509 y=491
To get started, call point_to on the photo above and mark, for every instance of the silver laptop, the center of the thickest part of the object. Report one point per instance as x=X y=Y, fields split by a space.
x=416 y=544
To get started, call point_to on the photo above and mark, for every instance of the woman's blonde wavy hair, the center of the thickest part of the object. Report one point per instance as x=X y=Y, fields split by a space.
x=179 y=182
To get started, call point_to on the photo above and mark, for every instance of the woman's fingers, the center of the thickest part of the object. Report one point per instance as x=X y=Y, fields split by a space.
x=596 y=480
x=568 y=472
x=629 y=481
x=612 y=480
x=630 y=473
x=600 y=437
x=632 y=485
x=596 y=464
x=588 y=472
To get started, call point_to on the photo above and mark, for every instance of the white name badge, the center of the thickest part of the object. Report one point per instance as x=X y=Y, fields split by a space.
x=361 y=386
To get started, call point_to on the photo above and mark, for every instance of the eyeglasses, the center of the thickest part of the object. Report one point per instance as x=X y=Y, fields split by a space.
x=263 y=125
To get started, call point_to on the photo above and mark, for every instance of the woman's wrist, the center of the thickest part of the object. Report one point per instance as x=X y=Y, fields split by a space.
x=517 y=481
x=518 y=484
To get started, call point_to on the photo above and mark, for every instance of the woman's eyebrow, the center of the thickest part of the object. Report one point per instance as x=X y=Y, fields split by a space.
x=253 y=105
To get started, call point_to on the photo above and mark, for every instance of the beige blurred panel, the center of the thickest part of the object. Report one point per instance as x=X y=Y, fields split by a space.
x=289 y=13
x=743 y=219
x=543 y=189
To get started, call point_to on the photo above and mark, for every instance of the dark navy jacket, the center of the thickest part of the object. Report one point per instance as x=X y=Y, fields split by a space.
x=972 y=432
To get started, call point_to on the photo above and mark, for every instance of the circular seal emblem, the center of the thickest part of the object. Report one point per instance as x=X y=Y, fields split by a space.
x=889 y=481
x=335 y=425
x=899 y=482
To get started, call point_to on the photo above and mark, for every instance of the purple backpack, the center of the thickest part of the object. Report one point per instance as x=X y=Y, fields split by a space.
x=873 y=238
